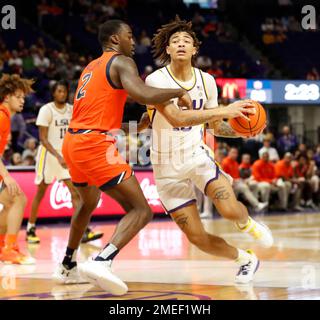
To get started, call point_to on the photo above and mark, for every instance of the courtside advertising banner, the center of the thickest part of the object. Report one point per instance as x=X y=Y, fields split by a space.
x=57 y=200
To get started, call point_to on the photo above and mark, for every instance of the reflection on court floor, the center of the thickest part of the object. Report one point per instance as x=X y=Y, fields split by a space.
x=161 y=264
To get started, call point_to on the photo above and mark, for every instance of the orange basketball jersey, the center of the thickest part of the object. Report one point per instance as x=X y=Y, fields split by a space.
x=98 y=103
x=4 y=127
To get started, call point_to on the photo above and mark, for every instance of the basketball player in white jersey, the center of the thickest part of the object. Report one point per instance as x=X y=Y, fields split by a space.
x=180 y=157
x=53 y=121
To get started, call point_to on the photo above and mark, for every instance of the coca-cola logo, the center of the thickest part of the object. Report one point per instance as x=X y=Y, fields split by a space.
x=150 y=192
x=60 y=196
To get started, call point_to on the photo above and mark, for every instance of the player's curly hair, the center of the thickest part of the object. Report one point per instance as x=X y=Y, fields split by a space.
x=162 y=36
x=10 y=83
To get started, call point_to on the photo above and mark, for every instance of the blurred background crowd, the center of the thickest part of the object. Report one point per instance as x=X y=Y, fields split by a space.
x=60 y=38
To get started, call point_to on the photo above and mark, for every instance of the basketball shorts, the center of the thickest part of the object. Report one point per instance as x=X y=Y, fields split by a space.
x=93 y=159
x=48 y=167
x=175 y=181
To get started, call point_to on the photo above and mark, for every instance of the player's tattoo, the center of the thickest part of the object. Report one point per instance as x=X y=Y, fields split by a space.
x=182 y=221
x=223 y=129
x=221 y=193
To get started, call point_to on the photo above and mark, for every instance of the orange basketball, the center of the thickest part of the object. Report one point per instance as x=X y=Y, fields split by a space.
x=250 y=128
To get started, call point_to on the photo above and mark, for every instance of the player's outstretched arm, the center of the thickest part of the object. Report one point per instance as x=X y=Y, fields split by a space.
x=127 y=72
x=222 y=128
x=184 y=118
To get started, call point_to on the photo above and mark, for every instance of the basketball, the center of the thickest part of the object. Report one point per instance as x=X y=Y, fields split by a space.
x=252 y=127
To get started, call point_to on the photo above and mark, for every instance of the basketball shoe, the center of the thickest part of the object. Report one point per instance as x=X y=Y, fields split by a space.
x=90 y=235
x=62 y=275
x=100 y=273
x=247 y=271
x=258 y=231
x=12 y=255
x=31 y=236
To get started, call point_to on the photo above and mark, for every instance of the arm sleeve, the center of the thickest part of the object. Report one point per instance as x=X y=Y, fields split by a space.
x=44 y=117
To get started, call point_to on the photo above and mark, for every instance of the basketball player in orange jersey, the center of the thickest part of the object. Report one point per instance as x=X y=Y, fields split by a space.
x=93 y=160
x=12 y=199
x=53 y=120
x=175 y=44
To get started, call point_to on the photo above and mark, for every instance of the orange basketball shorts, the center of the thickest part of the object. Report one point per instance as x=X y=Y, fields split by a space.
x=93 y=159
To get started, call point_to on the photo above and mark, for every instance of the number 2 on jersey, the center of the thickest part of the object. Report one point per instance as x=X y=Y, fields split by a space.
x=85 y=79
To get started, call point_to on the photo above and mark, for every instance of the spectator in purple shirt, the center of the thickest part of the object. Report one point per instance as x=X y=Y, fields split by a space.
x=287 y=142
x=316 y=157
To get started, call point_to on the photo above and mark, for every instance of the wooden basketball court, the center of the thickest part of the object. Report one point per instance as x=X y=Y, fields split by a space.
x=160 y=264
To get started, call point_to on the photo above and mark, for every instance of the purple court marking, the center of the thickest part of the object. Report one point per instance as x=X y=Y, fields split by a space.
x=99 y=295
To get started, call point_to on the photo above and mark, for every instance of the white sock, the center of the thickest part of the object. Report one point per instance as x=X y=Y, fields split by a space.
x=108 y=252
x=30 y=225
x=243 y=257
x=74 y=256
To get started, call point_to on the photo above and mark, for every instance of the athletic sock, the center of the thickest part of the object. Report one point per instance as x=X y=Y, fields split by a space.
x=70 y=258
x=243 y=257
x=30 y=225
x=108 y=253
x=10 y=240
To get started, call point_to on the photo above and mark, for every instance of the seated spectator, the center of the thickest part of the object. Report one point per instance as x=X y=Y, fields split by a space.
x=273 y=153
x=264 y=173
x=246 y=173
x=284 y=171
x=268 y=25
x=41 y=61
x=27 y=61
x=16 y=159
x=15 y=60
x=240 y=186
x=304 y=171
x=287 y=142
x=245 y=166
x=302 y=149
x=30 y=146
x=316 y=157
x=29 y=161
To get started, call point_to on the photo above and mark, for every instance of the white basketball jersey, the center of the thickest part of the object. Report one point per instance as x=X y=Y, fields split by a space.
x=165 y=138
x=57 y=121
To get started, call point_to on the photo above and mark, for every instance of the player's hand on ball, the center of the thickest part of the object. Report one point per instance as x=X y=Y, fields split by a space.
x=185 y=101
x=62 y=162
x=241 y=108
x=12 y=185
